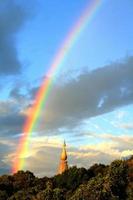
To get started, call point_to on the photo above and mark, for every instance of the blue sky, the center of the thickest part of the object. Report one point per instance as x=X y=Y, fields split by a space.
x=91 y=103
x=107 y=37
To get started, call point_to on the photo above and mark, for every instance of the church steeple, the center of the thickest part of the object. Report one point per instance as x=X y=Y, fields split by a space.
x=63 y=160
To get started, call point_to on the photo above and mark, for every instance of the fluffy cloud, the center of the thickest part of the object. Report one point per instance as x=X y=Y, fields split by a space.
x=44 y=155
x=5 y=149
x=67 y=106
x=80 y=98
x=11 y=118
x=44 y=152
x=121 y=141
x=70 y=103
x=12 y=18
x=127 y=126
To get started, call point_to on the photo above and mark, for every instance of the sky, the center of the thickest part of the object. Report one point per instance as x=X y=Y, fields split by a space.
x=90 y=104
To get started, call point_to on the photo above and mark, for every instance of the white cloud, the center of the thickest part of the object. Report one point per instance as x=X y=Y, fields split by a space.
x=44 y=153
x=127 y=126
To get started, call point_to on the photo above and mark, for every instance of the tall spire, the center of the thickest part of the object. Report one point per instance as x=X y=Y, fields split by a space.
x=63 y=160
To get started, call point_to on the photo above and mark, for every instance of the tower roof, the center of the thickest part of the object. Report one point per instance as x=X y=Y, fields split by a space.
x=64 y=153
x=63 y=160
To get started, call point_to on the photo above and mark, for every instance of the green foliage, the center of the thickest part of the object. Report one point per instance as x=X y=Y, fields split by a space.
x=97 y=169
x=94 y=189
x=72 y=178
x=21 y=195
x=3 y=195
x=118 y=175
x=58 y=194
x=22 y=180
x=46 y=194
x=99 y=182
x=129 y=190
x=6 y=184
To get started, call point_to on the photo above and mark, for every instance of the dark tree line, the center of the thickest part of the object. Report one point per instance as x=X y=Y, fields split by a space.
x=99 y=182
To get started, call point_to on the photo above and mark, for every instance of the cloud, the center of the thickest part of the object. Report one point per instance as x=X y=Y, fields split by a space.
x=66 y=108
x=44 y=155
x=5 y=148
x=122 y=142
x=127 y=126
x=46 y=159
x=11 y=118
x=12 y=18
x=4 y=168
x=79 y=99
x=71 y=103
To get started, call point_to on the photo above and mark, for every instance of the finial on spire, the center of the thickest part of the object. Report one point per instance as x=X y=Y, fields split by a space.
x=63 y=160
x=64 y=144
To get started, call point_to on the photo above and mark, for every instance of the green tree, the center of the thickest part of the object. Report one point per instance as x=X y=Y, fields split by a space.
x=3 y=195
x=6 y=184
x=23 y=180
x=58 y=194
x=118 y=173
x=46 y=194
x=71 y=178
x=129 y=190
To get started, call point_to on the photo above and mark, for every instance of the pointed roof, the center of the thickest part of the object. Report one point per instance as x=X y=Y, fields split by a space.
x=64 y=153
x=64 y=144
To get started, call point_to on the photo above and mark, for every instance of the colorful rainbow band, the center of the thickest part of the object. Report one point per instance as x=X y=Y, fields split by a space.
x=43 y=92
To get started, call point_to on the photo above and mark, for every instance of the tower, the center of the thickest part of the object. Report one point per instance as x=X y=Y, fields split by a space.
x=63 y=160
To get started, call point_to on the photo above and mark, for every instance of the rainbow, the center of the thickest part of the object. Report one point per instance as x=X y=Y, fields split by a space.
x=45 y=88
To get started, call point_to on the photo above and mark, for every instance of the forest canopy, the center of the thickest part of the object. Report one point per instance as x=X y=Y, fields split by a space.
x=99 y=182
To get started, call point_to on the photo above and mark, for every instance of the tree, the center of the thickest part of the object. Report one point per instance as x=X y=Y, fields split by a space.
x=3 y=195
x=58 y=194
x=46 y=194
x=117 y=175
x=6 y=184
x=23 y=180
x=71 y=178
